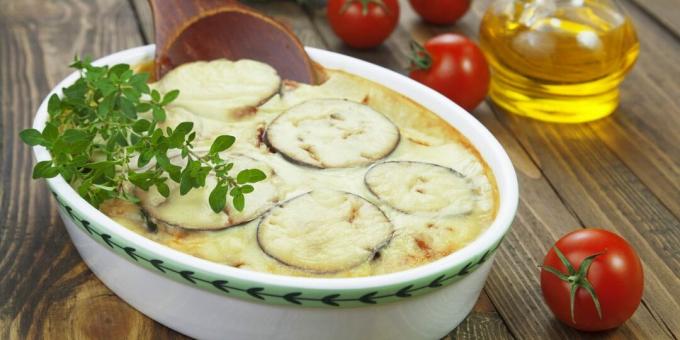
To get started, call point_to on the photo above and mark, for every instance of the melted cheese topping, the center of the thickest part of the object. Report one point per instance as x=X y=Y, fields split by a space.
x=333 y=133
x=324 y=231
x=415 y=237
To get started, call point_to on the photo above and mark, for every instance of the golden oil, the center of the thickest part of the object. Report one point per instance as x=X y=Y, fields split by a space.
x=555 y=60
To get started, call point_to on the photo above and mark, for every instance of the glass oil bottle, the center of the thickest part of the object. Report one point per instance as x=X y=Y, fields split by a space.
x=558 y=60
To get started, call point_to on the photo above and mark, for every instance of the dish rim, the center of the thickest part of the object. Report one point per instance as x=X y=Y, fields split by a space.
x=492 y=152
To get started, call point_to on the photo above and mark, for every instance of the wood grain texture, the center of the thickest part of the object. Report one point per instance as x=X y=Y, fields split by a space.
x=620 y=173
x=484 y=322
x=542 y=218
x=586 y=170
x=45 y=289
x=666 y=12
x=524 y=318
x=144 y=18
x=288 y=13
x=603 y=192
x=642 y=133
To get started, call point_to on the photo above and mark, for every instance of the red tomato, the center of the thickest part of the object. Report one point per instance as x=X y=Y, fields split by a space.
x=363 y=23
x=602 y=260
x=453 y=65
x=440 y=11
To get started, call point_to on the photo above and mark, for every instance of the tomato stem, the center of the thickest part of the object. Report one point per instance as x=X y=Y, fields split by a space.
x=576 y=279
x=420 y=58
x=364 y=6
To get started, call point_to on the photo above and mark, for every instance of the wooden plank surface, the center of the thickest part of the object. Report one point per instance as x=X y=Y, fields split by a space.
x=537 y=221
x=602 y=191
x=643 y=133
x=46 y=291
x=593 y=182
x=666 y=12
x=620 y=173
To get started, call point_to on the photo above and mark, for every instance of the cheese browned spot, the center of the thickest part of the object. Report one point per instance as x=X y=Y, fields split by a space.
x=324 y=231
x=416 y=187
x=333 y=133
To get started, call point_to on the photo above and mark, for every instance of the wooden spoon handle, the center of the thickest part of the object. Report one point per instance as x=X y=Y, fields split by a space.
x=191 y=30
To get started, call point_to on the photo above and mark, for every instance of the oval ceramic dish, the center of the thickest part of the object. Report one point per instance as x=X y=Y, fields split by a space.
x=209 y=300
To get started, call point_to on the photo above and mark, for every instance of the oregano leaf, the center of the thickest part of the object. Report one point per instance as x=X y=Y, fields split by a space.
x=239 y=202
x=250 y=176
x=44 y=169
x=50 y=132
x=32 y=137
x=222 y=143
x=54 y=105
x=140 y=125
x=158 y=113
x=218 y=197
x=163 y=189
x=169 y=97
x=94 y=135
x=156 y=96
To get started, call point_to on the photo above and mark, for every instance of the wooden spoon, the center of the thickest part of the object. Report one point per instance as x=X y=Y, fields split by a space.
x=191 y=30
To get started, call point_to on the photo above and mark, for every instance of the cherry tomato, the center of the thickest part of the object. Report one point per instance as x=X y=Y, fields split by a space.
x=592 y=280
x=363 y=23
x=440 y=11
x=453 y=65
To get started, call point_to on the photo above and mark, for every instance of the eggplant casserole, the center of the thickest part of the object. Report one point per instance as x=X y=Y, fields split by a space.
x=360 y=180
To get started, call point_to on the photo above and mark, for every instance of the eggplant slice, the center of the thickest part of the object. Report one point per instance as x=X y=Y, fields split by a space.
x=221 y=89
x=192 y=210
x=324 y=231
x=333 y=133
x=416 y=187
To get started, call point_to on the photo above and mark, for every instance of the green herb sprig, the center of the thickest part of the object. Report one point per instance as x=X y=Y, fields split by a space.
x=95 y=133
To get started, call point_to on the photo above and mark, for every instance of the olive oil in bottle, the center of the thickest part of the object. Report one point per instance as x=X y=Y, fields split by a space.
x=558 y=60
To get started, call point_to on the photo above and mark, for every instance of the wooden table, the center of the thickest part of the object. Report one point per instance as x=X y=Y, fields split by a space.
x=620 y=173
